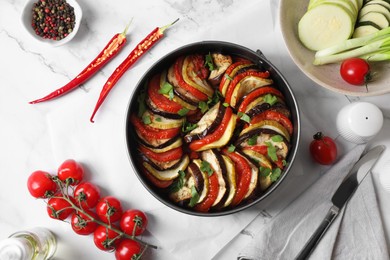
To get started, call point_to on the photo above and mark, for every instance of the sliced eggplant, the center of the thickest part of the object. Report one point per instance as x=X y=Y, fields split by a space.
x=225 y=137
x=167 y=174
x=184 y=194
x=205 y=191
x=207 y=124
x=155 y=110
x=257 y=105
x=191 y=77
x=160 y=122
x=199 y=180
x=217 y=163
x=162 y=145
x=161 y=166
x=260 y=160
x=231 y=180
x=254 y=180
x=268 y=124
x=231 y=72
x=222 y=62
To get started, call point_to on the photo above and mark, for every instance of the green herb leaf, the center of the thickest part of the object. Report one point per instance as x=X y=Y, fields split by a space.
x=188 y=127
x=205 y=167
x=270 y=99
x=228 y=77
x=284 y=162
x=183 y=111
x=231 y=148
x=179 y=182
x=165 y=88
x=275 y=174
x=252 y=140
x=203 y=107
x=146 y=120
x=226 y=104
x=264 y=171
x=271 y=150
x=277 y=138
x=171 y=94
x=158 y=119
x=244 y=117
x=195 y=197
x=209 y=62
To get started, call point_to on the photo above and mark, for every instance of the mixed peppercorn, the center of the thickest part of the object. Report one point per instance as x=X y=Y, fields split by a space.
x=53 y=19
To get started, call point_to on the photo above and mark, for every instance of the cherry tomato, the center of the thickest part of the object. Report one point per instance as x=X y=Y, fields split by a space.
x=87 y=195
x=133 y=221
x=323 y=149
x=128 y=249
x=355 y=71
x=106 y=239
x=109 y=209
x=70 y=172
x=82 y=224
x=40 y=184
x=59 y=208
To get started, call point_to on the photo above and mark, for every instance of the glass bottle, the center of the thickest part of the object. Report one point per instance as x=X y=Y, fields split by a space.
x=32 y=244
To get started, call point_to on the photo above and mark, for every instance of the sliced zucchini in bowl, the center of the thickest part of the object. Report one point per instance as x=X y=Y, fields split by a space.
x=170 y=174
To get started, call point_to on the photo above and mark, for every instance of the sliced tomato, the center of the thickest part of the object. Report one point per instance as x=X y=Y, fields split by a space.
x=230 y=73
x=179 y=77
x=263 y=149
x=206 y=204
x=170 y=155
x=156 y=182
x=241 y=76
x=217 y=134
x=161 y=101
x=243 y=173
x=153 y=133
x=255 y=94
x=276 y=116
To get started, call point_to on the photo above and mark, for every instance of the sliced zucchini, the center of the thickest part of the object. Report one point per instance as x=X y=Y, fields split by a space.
x=161 y=122
x=325 y=25
x=161 y=166
x=381 y=2
x=168 y=174
x=231 y=177
x=221 y=62
x=231 y=75
x=345 y=3
x=264 y=181
x=205 y=190
x=268 y=124
x=165 y=145
x=374 y=8
x=190 y=76
x=364 y=29
x=378 y=20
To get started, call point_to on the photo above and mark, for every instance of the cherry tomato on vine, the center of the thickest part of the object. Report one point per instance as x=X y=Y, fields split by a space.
x=133 y=220
x=40 y=184
x=109 y=209
x=87 y=195
x=355 y=71
x=59 y=208
x=82 y=224
x=128 y=249
x=71 y=172
x=323 y=149
x=105 y=238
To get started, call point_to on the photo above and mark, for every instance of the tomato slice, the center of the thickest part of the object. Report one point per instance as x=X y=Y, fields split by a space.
x=153 y=133
x=230 y=73
x=156 y=182
x=206 y=204
x=255 y=94
x=243 y=173
x=263 y=149
x=217 y=134
x=239 y=77
x=170 y=155
x=179 y=77
x=276 y=116
x=161 y=101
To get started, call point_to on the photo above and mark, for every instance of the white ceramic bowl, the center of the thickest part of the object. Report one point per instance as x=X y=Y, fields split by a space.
x=327 y=76
x=27 y=17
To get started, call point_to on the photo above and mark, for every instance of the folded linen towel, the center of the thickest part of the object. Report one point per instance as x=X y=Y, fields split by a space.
x=357 y=233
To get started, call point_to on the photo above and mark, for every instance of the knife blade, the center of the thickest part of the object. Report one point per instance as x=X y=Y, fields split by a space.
x=343 y=193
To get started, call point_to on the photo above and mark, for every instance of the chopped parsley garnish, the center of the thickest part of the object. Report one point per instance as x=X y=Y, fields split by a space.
x=231 y=148
x=179 y=182
x=264 y=171
x=167 y=89
x=270 y=99
x=226 y=104
x=244 y=117
x=277 y=138
x=146 y=119
x=188 y=127
x=205 y=167
x=252 y=140
x=228 y=77
x=209 y=62
x=203 y=107
x=275 y=174
x=195 y=197
x=183 y=111
x=271 y=150
x=158 y=119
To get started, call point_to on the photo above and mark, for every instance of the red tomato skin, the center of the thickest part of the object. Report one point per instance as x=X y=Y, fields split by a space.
x=82 y=224
x=59 y=208
x=355 y=71
x=133 y=220
x=128 y=249
x=87 y=195
x=323 y=150
x=109 y=209
x=40 y=184
x=101 y=237
x=71 y=172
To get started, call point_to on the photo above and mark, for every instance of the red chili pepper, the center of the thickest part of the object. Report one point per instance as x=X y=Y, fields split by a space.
x=110 y=50
x=142 y=47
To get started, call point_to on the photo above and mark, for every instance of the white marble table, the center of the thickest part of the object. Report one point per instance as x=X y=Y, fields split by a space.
x=41 y=136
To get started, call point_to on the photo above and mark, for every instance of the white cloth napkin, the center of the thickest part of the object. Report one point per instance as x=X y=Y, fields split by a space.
x=357 y=233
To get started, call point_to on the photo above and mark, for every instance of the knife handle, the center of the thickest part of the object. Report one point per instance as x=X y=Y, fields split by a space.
x=316 y=237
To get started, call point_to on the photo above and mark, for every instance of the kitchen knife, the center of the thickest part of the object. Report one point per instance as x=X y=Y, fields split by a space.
x=343 y=193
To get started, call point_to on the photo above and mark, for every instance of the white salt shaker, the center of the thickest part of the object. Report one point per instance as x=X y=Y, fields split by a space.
x=359 y=122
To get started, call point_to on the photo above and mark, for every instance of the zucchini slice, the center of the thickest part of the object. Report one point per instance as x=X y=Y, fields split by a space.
x=168 y=174
x=379 y=8
x=378 y=20
x=365 y=28
x=231 y=177
x=161 y=122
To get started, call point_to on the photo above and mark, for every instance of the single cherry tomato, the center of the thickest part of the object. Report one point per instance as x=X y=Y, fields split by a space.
x=133 y=221
x=59 y=208
x=355 y=71
x=87 y=195
x=323 y=149
x=70 y=172
x=109 y=209
x=82 y=224
x=128 y=249
x=105 y=238
x=40 y=184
